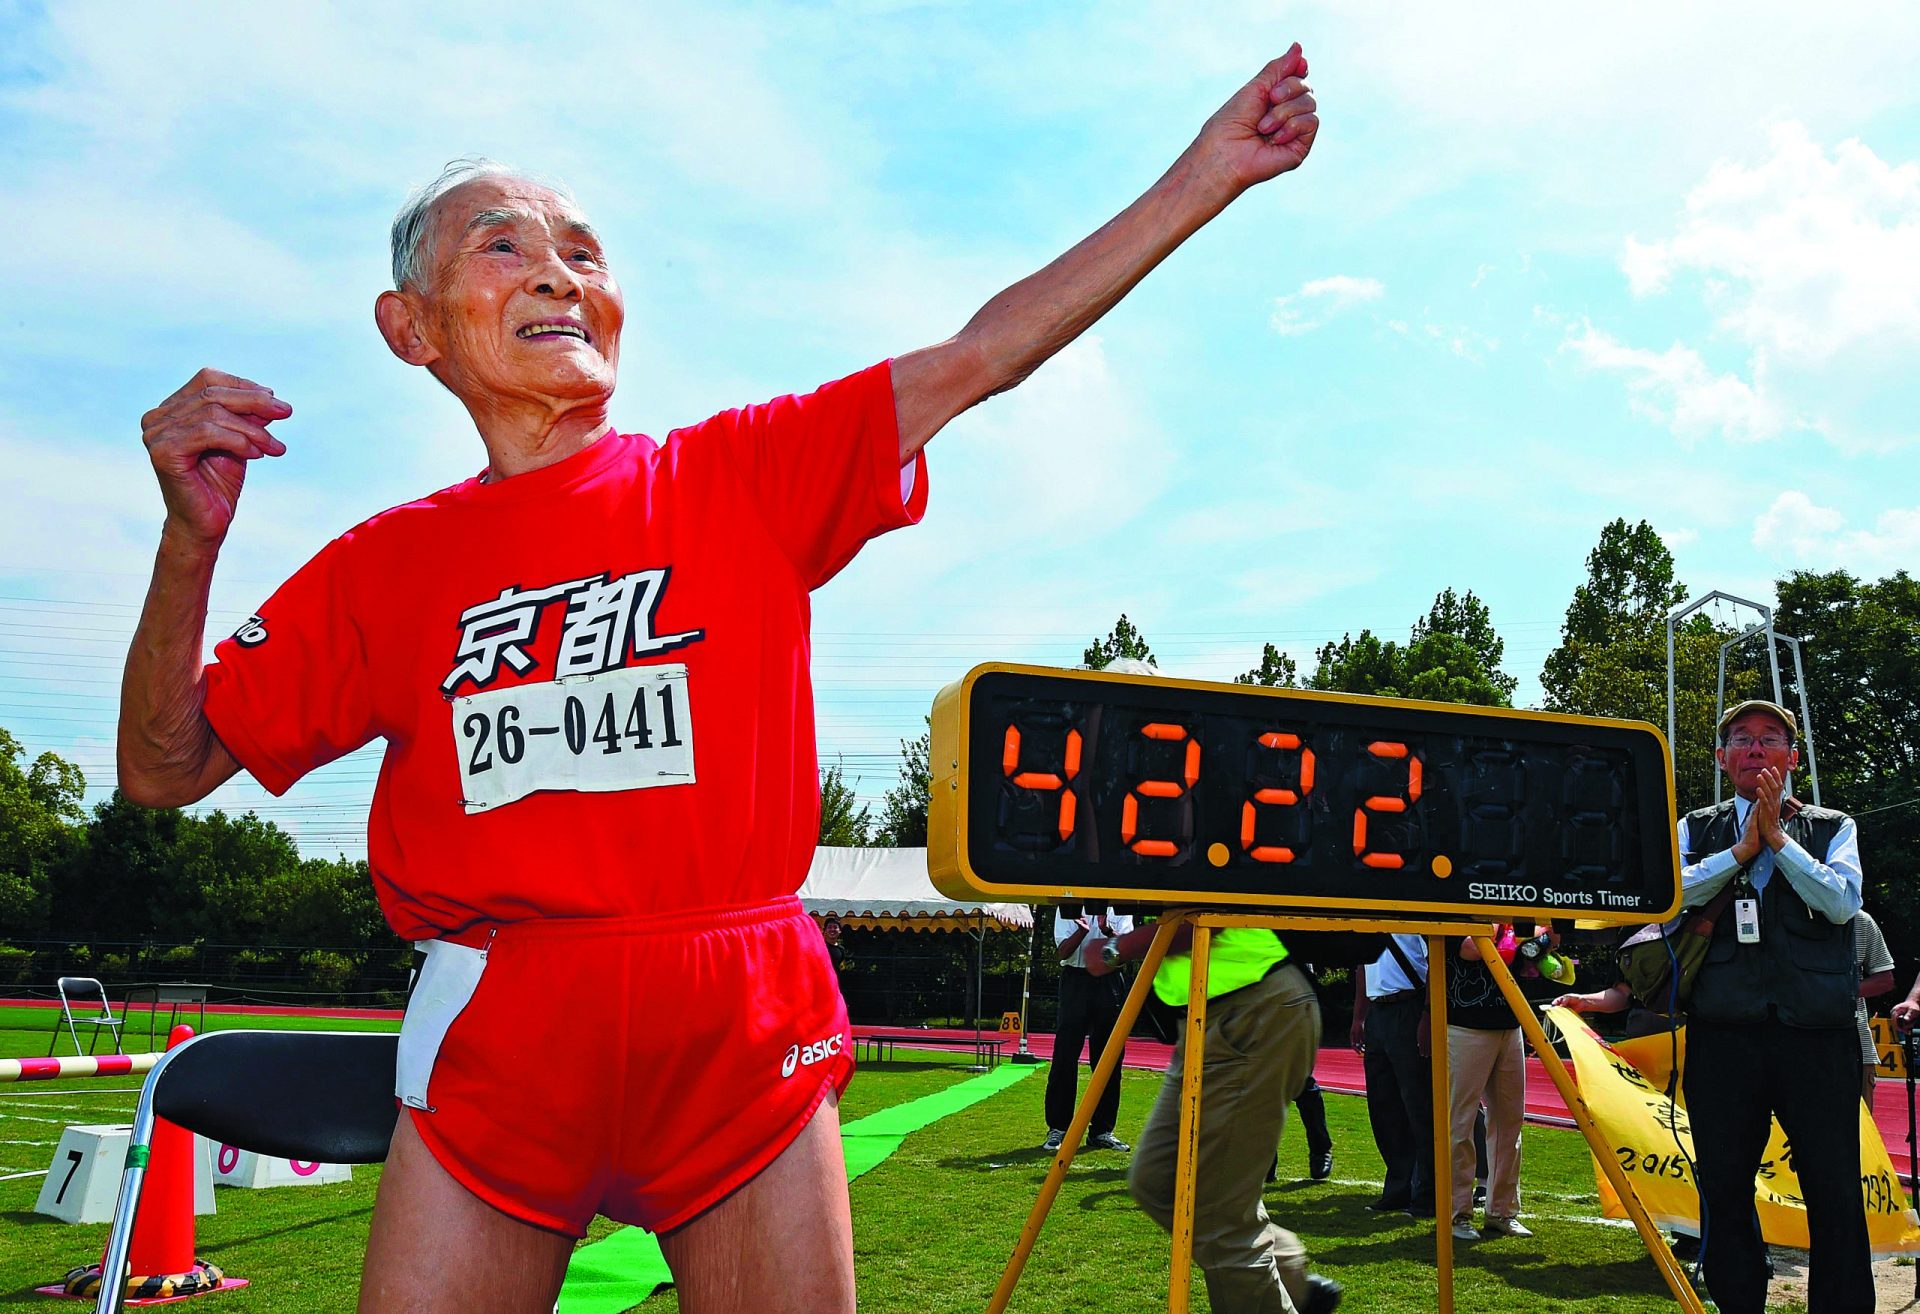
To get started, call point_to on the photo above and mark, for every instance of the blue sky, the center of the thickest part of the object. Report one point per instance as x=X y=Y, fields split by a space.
x=1541 y=270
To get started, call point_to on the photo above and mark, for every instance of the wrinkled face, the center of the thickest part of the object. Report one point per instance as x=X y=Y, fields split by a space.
x=519 y=302
x=1754 y=742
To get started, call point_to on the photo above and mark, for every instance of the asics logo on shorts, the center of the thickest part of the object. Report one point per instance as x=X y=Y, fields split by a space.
x=799 y=1056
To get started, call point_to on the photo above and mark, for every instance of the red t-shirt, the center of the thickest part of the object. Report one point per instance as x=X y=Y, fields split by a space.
x=592 y=678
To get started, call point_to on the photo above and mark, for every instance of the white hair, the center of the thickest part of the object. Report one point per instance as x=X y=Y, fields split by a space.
x=411 y=227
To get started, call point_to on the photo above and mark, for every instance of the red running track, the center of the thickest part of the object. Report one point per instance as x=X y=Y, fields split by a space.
x=1336 y=1069
x=1341 y=1070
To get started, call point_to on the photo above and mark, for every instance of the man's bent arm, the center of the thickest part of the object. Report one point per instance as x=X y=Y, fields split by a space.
x=1831 y=888
x=168 y=754
x=1701 y=880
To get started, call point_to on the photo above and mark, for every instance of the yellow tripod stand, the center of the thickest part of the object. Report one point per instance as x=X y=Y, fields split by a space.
x=1204 y=923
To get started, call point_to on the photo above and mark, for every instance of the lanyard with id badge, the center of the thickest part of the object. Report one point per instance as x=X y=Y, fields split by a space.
x=1746 y=911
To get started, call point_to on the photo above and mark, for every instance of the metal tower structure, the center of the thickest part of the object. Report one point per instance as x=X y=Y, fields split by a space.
x=1773 y=639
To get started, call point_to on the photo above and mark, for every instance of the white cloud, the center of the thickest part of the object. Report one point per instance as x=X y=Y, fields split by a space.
x=1808 y=261
x=1463 y=341
x=1320 y=299
x=1676 y=387
x=1799 y=532
x=1806 y=254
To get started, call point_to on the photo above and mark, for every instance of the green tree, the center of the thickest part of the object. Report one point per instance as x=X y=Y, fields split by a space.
x=903 y=812
x=1276 y=670
x=112 y=887
x=326 y=902
x=225 y=867
x=1630 y=590
x=1860 y=644
x=1467 y=618
x=40 y=816
x=842 y=824
x=1436 y=664
x=1612 y=658
x=1125 y=641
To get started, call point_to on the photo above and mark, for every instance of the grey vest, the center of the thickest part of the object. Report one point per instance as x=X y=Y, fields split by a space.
x=1804 y=970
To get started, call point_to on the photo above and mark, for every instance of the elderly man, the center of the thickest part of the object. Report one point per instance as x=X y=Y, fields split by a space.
x=543 y=646
x=1771 y=1022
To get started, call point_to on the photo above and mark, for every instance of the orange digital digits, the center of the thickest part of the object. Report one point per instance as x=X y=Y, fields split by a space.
x=1391 y=750
x=1275 y=796
x=1042 y=780
x=1130 y=806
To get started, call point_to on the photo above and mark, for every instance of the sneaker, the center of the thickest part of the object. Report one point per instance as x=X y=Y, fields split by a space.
x=1463 y=1228
x=1107 y=1141
x=1322 y=1295
x=1055 y=1139
x=1320 y=1166
x=1501 y=1225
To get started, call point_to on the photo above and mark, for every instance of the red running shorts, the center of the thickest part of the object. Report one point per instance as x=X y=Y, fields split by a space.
x=642 y=1068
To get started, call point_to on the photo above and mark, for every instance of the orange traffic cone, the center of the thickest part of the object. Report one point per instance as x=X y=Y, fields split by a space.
x=160 y=1255
x=163 y=1229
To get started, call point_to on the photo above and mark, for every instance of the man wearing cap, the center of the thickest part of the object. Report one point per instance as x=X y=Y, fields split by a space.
x=1771 y=1031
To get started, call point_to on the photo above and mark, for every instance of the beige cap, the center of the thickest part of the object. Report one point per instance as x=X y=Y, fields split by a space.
x=1739 y=710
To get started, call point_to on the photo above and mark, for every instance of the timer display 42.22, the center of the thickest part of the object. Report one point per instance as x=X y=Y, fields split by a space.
x=1071 y=785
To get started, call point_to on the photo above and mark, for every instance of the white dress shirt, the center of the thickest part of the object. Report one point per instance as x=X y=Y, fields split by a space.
x=1106 y=925
x=1830 y=888
x=1387 y=977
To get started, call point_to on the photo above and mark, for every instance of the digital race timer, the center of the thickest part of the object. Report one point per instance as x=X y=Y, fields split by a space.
x=1057 y=785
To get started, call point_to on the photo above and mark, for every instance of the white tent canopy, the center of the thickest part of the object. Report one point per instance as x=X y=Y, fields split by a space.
x=890 y=887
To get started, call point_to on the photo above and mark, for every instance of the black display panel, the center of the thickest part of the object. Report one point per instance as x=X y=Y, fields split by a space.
x=1070 y=785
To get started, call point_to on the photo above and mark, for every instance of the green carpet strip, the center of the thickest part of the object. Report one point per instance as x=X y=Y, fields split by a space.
x=620 y=1271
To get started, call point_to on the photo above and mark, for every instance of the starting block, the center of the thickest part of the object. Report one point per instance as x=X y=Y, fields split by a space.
x=236 y=1167
x=84 y=1179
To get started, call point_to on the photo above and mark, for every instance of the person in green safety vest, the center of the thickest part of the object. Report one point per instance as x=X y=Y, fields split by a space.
x=1263 y=1029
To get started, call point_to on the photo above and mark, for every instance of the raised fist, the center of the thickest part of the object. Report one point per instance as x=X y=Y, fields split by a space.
x=200 y=440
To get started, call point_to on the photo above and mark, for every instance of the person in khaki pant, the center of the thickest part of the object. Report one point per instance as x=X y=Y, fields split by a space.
x=1263 y=1030
x=1486 y=1064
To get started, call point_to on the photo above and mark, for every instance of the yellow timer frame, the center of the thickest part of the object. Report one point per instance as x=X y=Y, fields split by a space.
x=1052 y=785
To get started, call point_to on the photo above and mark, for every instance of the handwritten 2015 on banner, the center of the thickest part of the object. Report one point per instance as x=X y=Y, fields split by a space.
x=1624 y=1084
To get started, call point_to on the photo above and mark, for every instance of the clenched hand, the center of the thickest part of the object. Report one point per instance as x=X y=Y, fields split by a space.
x=200 y=440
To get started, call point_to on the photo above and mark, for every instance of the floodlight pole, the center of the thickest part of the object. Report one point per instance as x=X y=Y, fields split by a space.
x=1720 y=686
x=1806 y=726
x=1774 y=640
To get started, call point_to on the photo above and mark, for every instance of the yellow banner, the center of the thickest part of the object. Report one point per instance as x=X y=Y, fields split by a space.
x=1625 y=1087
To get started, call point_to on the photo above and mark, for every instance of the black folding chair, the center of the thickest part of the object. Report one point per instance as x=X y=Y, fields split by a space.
x=316 y=1096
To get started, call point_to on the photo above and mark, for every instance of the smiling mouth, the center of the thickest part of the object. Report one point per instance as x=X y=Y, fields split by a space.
x=531 y=331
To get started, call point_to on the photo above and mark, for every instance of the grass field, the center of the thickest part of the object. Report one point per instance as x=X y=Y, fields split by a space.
x=933 y=1224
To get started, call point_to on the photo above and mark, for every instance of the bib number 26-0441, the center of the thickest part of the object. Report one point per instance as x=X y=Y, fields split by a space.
x=617 y=730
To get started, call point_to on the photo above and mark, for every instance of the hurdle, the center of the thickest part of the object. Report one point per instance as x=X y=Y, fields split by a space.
x=83 y=1065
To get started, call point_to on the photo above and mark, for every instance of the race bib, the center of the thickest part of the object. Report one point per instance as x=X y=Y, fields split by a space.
x=630 y=728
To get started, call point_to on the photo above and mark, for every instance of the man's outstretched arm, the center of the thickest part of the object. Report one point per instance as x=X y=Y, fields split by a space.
x=1266 y=129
